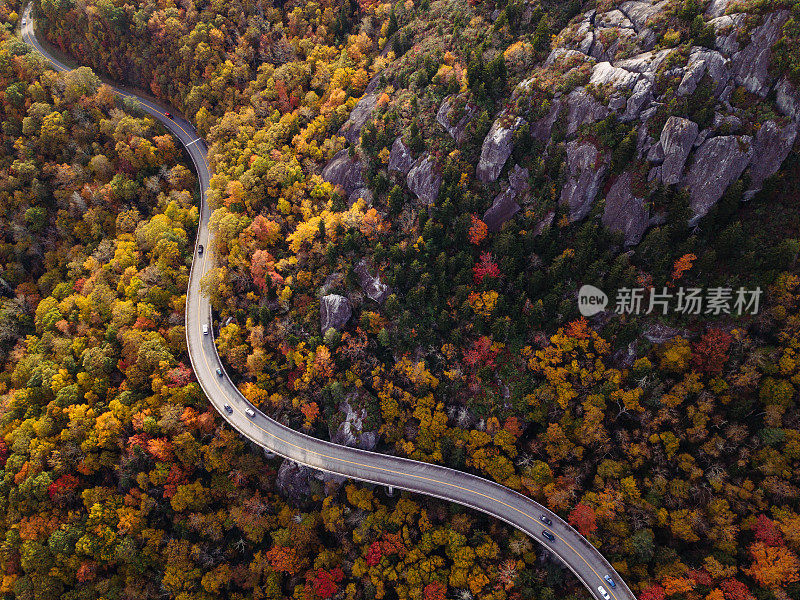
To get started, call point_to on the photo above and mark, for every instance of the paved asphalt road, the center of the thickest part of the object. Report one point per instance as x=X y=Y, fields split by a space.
x=515 y=509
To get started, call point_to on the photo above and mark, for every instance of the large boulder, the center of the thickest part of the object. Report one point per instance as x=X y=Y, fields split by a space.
x=587 y=167
x=293 y=480
x=361 y=113
x=423 y=180
x=701 y=62
x=787 y=99
x=639 y=11
x=583 y=109
x=605 y=74
x=350 y=431
x=542 y=128
x=497 y=147
x=717 y=163
x=362 y=193
x=502 y=209
x=400 y=158
x=677 y=138
x=751 y=65
x=344 y=171
x=457 y=129
x=373 y=287
x=771 y=146
x=334 y=311
x=624 y=213
x=641 y=97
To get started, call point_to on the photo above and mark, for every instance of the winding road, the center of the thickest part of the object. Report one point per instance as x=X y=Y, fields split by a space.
x=582 y=558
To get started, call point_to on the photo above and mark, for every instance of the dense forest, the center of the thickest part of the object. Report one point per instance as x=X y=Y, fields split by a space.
x=344 y=139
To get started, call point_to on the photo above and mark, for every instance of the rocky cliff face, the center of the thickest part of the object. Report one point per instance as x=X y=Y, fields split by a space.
x=704 y=113
x=692 y=107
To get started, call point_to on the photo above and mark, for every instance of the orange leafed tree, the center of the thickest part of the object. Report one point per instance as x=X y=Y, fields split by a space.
x=683 y=264
x=478 y=231
x=774 y=567
x=284 y=559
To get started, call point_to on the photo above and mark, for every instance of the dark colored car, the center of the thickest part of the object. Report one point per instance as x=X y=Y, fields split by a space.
x=548 y=535
x=168 y=115
x=200 y=249
x=219 y=372
x=545 y=520
x=228 y=408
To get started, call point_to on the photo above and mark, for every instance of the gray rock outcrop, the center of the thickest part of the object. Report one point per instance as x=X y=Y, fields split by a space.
x=344 y=171
x=583 y=109
x=334 y=311
x=751 y=64
x=701 y=62
x=787 y=99
x=400 y=158
x=293 y=480
x=373 y=287
x=350 y=432
x=542 y=128
x=677 y=138
x=587 y=168
x=771 y=146
x=624 y=213
x=360 y=193
x=457 y=129
x=502 y=209
x=423 y=180
x=497 y=147
x=359 y=116
x=717 y=164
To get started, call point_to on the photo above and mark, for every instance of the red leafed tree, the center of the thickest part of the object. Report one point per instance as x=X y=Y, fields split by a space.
x=767 y=532
x=486 y=267
x=735 y=590
x=583 y=519
x=654 y=592
x=179 y=376
x=62 y=486
x=711 y=352
x=87 y=571
x=261 y=265
x=3 y=453
x=374 y=553
x=435 y=591
x=481 y=353
x=326 y=583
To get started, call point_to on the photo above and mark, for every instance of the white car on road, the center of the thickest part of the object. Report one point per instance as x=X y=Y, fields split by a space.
x=603 y=592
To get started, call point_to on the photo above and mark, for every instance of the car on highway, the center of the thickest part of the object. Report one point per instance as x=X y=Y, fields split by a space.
x=610 y=581
x=24 y=22
x=205 y=329
x=545 y=520
x=548 y=535
x=250 y=412
x=219 y=372
x=168 y=115
x=227 y=408
x=200 y=249
x=603 y=592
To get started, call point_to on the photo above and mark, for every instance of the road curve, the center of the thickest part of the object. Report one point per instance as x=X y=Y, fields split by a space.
x=582 y=558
